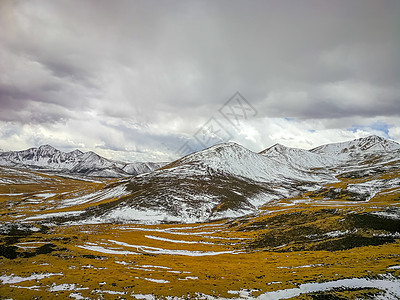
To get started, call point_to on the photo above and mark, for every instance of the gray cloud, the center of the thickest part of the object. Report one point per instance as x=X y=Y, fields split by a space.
x=172 y=64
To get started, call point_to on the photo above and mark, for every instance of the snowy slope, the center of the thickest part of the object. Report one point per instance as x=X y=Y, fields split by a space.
x=369 y=144
x=76 y=162
x=228 y=180
x=236 y=160
x=141 y=167
x=300 y=158
x=44 y=156
x=225 y=180
x=331 y=154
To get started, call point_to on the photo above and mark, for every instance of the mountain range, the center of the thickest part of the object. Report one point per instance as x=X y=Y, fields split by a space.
x=225 y=180
x=89 y=163
x=266 y=224
x=228 y=180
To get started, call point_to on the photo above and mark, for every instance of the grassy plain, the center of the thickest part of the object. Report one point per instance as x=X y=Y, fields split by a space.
x=307 y=239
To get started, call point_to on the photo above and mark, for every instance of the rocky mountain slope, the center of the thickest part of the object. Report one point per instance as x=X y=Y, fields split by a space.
x=47 y=157
x=228 y=180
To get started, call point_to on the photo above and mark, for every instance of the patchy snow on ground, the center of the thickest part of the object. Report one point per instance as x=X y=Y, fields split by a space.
x=157 y=267
x=175 y=241
x=7 y=279
x=104 y=194
x=394 y=267
x=56 y=215
x=153 y=250
x=299 y=267
x=143 y=216
x=390 y=287
x=29 y=245
x=229 y=213
x=155 y=280
x=143 y=296
x=45 y=195
x=33 y=288
x=65 y=287
x=110 y=292
x=389 y=215
x=105 y=250
x=189 y=278
x=77 y=296
x=331 y=234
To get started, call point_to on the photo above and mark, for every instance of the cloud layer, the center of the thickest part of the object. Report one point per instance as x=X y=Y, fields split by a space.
x=134 y=80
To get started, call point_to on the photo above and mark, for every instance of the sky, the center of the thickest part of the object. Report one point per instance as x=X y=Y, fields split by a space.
x=155 y=80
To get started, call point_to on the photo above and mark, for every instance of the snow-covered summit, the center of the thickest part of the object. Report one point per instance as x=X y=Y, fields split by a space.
x=236 y=160
x=298 y=157
x=279 y=149
x=225 y=151
x=369 y=144
x=88 y=163
x=47 y=149
x=76 y=152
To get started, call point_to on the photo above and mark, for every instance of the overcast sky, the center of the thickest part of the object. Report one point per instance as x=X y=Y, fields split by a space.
x=141 y=80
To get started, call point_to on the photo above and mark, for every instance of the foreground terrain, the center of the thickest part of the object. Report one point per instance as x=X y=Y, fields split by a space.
x=222 y=223
x=306 y=247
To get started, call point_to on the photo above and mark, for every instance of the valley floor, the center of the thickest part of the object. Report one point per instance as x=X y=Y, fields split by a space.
x=307 y=247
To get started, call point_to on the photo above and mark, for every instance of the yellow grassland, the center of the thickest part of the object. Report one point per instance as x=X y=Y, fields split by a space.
x=136 y=265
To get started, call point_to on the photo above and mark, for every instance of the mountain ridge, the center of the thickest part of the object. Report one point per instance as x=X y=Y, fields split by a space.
x=371 y=143
x=229 y=180
x=234 y=159
x=230 y=157
x=46 y=157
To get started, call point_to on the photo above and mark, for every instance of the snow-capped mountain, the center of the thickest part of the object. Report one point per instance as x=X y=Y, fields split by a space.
x=331 y=154
x=233 y=159
x=222 y=181
x=300 y=158
x=225 y=180
x=229 y=180
x=369 y=144
x=90 y=164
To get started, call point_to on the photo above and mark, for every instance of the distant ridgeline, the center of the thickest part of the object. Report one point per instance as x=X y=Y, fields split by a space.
x=75 y=162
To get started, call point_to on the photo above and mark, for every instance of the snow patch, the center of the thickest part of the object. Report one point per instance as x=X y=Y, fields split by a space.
x=65 y=287
x=56 y=215
x=175 y=241
x=153 y=250
x=391 y=287
x=7 y=279
x=105 y=250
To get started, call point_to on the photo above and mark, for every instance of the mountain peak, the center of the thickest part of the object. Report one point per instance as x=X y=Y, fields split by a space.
x=221 y=150
x=91 y=154
x=46 y=147
x=46 y=151
x=276 y=147
x=76 y=152
x=218 y=152
x=374 y=137
x=225 y=146
x=372 y=143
